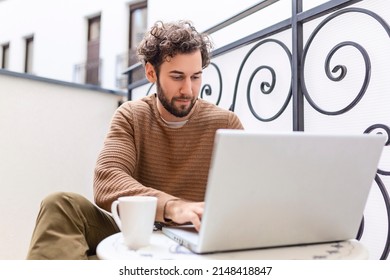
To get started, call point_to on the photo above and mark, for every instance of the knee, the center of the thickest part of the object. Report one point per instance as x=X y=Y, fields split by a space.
x=63 y=199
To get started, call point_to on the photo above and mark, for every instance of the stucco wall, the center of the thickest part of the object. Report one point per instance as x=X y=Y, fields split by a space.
x=50 y=136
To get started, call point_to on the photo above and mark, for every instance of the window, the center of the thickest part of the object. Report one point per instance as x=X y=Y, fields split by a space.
x=5 y=56
x=94 y=29
x=138 y=23
x=28 y=65
x=137 y=29
x=93 y=52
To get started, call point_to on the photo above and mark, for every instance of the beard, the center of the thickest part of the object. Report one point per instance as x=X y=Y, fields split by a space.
x=179 y=111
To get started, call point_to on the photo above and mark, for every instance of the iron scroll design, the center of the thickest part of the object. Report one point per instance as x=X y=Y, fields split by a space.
x=265 y=87
x=337 y=74
x=340 y=69
x=381 y=129
x=207 y=89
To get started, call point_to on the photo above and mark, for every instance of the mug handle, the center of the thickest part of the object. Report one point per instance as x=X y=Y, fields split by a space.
x=115 y=215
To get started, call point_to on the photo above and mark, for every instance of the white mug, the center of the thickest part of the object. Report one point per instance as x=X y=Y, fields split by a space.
x=137 y=215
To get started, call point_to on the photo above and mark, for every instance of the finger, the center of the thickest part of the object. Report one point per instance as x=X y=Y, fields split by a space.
x=196 y=222
x=199 y=210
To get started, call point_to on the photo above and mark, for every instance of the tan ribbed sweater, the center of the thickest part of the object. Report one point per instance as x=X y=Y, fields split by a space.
x=144 y=156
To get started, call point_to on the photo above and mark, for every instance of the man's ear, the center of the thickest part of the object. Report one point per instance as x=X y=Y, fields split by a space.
x=150 y=73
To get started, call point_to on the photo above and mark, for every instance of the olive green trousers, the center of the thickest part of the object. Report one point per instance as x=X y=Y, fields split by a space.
x=69 y=227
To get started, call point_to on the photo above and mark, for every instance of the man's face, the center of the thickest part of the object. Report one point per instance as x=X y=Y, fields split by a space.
x=178 y=84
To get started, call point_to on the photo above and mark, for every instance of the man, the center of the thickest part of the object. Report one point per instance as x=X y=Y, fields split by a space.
x=159 y=146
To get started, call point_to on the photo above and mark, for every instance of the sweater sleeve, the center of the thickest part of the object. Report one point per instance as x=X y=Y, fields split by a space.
x=116 y=163
x=234 y=122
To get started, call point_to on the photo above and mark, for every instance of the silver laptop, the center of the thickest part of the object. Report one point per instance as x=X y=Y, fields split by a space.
x=280 y=189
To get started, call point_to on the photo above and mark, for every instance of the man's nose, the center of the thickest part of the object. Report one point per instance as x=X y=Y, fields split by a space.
x=186 y=86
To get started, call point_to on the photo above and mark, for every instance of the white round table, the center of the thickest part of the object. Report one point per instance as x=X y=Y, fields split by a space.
x=161 y=247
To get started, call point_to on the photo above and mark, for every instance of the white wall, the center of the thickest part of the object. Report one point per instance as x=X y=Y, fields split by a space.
x=50 y=137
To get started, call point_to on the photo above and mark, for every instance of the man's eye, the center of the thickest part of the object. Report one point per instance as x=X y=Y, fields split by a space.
x=177 y=77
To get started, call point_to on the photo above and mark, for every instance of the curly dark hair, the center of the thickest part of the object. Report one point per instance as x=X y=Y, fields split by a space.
x=165 y=40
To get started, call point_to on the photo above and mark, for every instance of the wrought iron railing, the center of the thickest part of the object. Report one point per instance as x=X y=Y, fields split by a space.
x=88 y=72
x=298 y=93
x=122 y=65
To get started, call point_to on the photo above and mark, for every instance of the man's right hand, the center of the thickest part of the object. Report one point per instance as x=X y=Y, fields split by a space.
x=182 y=212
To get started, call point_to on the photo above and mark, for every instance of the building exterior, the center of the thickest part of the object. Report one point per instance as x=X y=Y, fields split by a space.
x=75 y=41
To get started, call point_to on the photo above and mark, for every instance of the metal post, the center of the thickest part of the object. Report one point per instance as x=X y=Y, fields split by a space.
x=297 y=48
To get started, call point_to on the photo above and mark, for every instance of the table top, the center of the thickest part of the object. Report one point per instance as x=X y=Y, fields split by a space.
x=163 y=248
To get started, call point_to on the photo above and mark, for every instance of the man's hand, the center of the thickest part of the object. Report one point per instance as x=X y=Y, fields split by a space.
x=182 y=212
